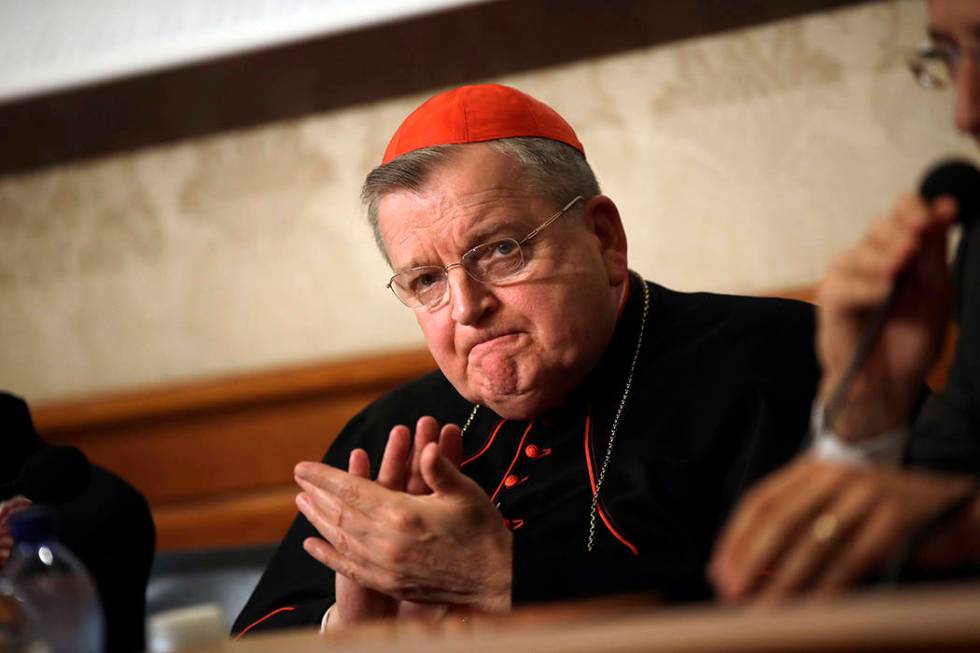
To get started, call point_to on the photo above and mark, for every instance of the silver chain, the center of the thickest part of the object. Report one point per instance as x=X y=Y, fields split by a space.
x=615 y=424
x=469 y=420
x=619 y=413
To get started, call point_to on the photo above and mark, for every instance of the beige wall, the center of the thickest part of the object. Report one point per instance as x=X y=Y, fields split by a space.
x=740 y=162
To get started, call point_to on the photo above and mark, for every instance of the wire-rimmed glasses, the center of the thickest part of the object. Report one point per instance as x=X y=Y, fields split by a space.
x=490 y=262
x=934 y=65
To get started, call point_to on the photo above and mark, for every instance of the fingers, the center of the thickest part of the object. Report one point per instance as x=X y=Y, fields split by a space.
x=768 y=528
x=451 y=444
x=393 y=473
x=328 y=555
x=349 y=533
x=864 y=551
x=444 y=477
x=426 y=431
x=813 y=555
x=359 y=464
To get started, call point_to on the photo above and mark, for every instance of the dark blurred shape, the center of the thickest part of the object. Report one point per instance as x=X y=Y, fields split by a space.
x=958 y=178
x=961 y=180
x=431 y=51
x=51 y=475
x=108 y=526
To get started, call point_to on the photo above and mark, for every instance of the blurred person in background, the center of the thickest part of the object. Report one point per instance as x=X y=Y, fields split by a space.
x=820 y=525
x=102 y=519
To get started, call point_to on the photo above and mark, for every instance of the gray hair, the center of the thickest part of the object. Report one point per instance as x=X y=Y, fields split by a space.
x=551 y=169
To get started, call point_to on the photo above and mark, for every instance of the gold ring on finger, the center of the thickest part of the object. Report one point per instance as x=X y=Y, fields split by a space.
x=824 y=527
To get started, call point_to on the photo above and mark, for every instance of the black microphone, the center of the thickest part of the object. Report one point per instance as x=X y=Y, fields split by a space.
x=959 y=179
x=51 y=475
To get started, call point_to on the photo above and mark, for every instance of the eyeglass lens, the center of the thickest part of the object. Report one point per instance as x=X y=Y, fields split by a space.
x=489 y=262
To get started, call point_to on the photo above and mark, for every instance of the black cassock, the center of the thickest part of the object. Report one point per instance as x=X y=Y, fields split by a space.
x=721 y=396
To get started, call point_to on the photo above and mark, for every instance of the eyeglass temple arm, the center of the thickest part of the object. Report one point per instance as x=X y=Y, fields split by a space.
x=547 y=222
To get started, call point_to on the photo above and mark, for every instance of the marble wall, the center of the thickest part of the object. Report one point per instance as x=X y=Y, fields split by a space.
x=741 y=162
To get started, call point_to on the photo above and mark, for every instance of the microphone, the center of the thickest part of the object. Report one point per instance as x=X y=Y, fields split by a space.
x=959 y=179
x=51 y=475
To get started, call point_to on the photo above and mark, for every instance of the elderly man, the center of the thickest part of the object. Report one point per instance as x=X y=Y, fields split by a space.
x=608 y=423
x=819 y=526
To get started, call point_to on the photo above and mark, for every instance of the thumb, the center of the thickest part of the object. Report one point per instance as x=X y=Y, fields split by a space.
x=441 y=475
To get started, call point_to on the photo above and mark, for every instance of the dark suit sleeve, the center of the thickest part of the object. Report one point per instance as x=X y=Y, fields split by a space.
x=946 y=434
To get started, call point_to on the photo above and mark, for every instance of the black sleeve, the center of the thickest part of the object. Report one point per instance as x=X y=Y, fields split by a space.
x=295 y=589
x=946 y=435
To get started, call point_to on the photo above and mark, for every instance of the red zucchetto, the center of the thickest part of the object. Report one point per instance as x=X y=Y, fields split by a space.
x=472 y=114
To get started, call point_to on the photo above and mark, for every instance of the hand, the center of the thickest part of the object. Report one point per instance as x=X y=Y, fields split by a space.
x=819 y=527
x=398 y=469
x=450 y=441
x=8 y=508
x=448 y=547
x=910 y=242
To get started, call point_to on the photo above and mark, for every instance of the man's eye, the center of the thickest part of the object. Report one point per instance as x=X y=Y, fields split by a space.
x=424 y=281
x=503 y=248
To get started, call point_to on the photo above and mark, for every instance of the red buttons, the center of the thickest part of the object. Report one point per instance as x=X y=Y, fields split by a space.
x=511 y=480
x=513 y=524
x=534 y=451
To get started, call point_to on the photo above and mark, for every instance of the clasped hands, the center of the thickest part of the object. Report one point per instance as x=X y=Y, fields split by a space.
x=419 y=539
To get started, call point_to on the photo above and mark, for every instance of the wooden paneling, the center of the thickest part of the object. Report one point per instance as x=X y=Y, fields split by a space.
x=215 y=458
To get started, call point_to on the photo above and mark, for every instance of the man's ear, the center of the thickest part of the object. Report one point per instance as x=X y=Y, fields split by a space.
x=602 y=219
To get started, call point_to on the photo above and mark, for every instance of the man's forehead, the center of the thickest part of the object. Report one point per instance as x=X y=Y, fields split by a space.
x=478 y=176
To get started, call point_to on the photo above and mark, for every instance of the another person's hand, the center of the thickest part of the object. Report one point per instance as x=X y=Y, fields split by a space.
x=909 y=243
x=819 y=527
x=447 y=547
x=7 y=509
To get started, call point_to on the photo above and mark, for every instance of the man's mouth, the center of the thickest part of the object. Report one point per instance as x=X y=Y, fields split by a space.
x=493 y=341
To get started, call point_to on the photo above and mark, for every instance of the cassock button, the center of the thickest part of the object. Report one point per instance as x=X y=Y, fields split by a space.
x=511 y=480
x=532 y=451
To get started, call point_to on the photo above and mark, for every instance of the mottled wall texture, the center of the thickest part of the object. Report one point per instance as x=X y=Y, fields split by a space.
x=741 y=162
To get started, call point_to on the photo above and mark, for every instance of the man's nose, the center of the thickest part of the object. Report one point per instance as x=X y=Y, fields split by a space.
x=471 y=299
x=967 y=112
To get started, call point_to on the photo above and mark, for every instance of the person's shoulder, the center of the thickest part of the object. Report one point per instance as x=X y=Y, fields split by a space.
x=765 y=334
x=731 y=314
x=429 y=394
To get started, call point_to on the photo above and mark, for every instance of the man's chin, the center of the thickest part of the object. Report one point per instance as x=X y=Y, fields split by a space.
x=512 y=405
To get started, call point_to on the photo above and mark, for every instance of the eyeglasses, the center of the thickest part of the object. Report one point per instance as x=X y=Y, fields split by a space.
x=490 y=262
x=934 y=65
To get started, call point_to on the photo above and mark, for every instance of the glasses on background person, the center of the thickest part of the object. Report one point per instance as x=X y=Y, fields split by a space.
x=935 y=65
x=490 y=262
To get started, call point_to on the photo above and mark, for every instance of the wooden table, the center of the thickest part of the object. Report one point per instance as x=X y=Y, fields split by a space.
x=937 y=618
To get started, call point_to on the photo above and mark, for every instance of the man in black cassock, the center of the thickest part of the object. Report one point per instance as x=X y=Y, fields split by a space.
x=587 y=431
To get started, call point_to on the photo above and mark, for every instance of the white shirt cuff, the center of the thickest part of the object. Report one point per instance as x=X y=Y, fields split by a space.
x=323 y=622
x=883 y=449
